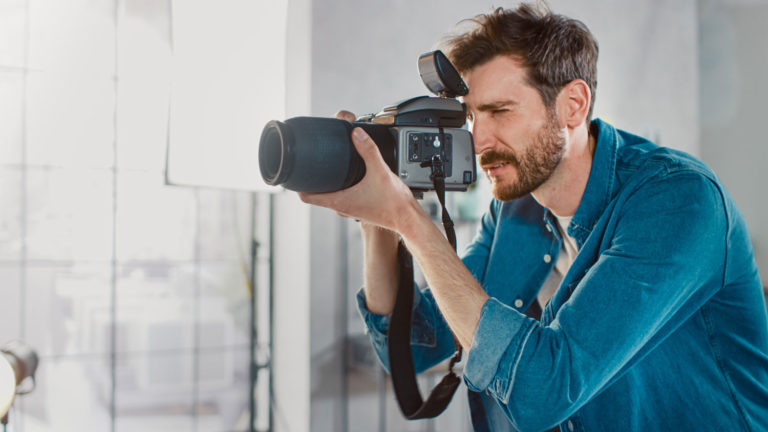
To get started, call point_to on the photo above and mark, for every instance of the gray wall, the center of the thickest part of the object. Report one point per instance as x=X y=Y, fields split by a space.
x=364 y=57
x=733 y=65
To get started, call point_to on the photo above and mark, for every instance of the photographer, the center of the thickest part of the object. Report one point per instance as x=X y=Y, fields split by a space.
x=652 y=318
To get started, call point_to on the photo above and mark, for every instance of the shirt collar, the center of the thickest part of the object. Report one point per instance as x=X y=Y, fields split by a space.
x=600 y=184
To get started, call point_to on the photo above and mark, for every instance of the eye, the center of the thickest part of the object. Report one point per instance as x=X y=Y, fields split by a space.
x=499 y=111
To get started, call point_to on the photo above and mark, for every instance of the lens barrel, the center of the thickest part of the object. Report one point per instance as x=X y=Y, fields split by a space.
x=315 y=154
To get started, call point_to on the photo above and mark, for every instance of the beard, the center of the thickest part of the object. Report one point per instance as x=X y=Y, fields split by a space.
x=534 y=165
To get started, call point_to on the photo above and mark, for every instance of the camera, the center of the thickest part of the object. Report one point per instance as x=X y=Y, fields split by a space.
x=418 y=138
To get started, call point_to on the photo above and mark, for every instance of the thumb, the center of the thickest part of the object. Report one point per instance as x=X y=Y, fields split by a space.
x=365 y=146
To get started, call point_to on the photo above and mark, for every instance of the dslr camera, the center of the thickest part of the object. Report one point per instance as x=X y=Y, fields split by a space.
x=420 y=139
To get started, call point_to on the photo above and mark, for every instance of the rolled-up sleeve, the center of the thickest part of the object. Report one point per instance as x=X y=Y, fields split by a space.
x=498 y=322
x=376 y=325
x=431 y=338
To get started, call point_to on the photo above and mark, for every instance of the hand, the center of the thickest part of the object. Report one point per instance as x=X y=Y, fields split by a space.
x=380 y=198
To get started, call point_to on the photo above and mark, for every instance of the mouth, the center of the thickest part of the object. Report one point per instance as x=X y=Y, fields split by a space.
x=494 y=168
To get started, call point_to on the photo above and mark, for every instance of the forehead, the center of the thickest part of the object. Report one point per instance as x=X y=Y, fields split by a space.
x=501 y=78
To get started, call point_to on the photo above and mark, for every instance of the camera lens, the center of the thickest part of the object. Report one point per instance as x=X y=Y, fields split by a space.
x=274 y=153
x=315 y=154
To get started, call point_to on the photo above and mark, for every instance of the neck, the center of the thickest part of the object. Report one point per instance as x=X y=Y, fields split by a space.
x=562 y=192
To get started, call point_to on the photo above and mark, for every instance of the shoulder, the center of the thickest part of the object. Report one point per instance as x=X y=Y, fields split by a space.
x=665 y=181
x=641 y=164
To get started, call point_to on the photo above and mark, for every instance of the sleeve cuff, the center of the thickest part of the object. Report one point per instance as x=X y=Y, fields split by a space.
x=500 y=328
x=422 y=327
x=375 y=324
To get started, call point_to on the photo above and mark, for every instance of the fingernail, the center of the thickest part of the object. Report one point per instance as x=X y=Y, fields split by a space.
x=359 y=134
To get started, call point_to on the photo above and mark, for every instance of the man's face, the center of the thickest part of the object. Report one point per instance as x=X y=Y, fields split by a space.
x=517 y=139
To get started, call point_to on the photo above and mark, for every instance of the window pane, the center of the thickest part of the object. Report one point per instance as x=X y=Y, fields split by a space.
x=13 y=16
x=10 y=303
x=72 y=394
x=76 y=37
x=224 y=305
x=154 y=392
x=155 y=307
x=225 y=221
x=69 y=214
x=11 y=107
x=222 y=395
x=67 y=309
x=154 y=222
x=10 y=214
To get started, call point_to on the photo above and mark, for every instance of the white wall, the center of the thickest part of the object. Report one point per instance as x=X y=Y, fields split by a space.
x=291 y=344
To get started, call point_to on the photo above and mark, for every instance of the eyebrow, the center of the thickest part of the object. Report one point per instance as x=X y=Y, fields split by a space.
x=496 y=105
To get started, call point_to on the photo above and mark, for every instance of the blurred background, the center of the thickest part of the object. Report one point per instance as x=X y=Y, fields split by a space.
x=166 y=288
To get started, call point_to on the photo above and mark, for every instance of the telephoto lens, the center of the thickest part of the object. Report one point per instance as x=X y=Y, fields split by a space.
x=316 y=154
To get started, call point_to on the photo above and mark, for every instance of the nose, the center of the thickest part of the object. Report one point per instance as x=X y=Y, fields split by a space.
x=482 y=135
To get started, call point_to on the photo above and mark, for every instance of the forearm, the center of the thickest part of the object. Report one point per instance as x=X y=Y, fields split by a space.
x=382 y=199
x=381 y=269
x=458 y=295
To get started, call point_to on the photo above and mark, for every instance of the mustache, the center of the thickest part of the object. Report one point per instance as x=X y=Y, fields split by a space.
x=494 y=156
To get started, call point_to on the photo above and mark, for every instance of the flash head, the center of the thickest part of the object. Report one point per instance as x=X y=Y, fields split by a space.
x=440 y=76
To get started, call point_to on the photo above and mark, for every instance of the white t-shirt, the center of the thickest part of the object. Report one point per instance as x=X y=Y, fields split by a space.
x=568 y=251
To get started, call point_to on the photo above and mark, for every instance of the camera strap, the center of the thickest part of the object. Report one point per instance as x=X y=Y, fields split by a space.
x=399 y=336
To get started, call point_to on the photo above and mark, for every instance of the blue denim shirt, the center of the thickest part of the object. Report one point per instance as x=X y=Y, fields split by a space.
x=660 y=323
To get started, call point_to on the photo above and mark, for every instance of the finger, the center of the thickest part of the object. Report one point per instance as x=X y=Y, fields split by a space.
x=345 y=115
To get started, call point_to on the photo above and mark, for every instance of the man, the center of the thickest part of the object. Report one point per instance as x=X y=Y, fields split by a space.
x=653 y=317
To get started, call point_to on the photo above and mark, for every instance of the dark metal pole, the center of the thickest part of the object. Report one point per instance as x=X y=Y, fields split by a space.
x=271 y=308
x=253 y=367
x=344 y=322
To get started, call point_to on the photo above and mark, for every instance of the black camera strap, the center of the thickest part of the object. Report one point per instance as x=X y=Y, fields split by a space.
x=399 y=346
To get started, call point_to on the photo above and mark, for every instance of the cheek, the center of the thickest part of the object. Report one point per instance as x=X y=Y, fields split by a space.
x=517 y=141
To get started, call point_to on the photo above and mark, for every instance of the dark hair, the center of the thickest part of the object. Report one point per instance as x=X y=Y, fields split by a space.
x=553 y=48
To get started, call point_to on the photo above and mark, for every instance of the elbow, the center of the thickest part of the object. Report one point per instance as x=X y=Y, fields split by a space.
x=536 y=408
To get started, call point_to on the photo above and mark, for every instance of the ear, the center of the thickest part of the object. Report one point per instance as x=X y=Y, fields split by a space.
x=573 y=103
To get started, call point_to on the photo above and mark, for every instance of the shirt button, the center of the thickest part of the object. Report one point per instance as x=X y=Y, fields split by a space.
x=547 y=258
x=518 y=303
x=570 y=426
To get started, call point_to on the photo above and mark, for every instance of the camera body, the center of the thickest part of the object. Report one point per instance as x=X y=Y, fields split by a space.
x=419 y=138
x=425 y=127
